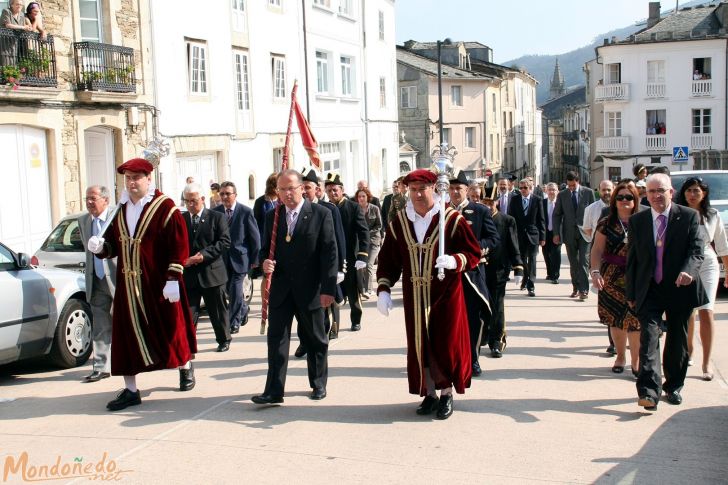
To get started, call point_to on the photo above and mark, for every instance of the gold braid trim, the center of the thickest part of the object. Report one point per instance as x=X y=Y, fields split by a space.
x=391 y=230
x=384 y=281
x=178 y=268
x=169 y=216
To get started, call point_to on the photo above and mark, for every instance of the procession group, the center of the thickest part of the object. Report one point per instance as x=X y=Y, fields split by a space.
x=154 y=264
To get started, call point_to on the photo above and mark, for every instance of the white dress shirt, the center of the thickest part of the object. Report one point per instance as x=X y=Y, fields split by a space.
x=421 y=223
x=592 y=215
x=655 y=215
x=134 y=211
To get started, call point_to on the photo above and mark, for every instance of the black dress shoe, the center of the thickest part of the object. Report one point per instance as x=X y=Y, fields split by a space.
x=673 y=397
x=187 y=379
x=555 y=281
x=223 y=347
x=356 y=327
x=96 y=376
x=583 y=295
x=234 y=329
x=574 y=294
x=245 y=321
x=647 y=402
x=300 y=351
x=531 y=292
x=267 y=399
x=496 y=353
x=476 y=369
x=428 y=405
x=333 y=335
x=444 y=409
x=318 y=393
x=124 y=399
x=611 y=350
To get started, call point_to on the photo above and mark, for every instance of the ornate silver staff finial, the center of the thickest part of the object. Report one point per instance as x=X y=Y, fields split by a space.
x=155 y=150
x=443 y=158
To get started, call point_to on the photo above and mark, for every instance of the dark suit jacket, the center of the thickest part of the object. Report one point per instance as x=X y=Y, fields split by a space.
x=480 y=220
x=338 y=233
x=306 y=266
x=244 y=239
x=683 y=253
x=386 y=204
x=85 y=221
x=565 y=218
x=506 y=254
x=211 y=240
x=531 y=226
x=356 y=232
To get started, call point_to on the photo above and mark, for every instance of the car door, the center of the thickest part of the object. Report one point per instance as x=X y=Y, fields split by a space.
x=24 y=310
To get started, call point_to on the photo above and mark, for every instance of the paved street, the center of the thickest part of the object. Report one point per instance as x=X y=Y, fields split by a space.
x=550 y=410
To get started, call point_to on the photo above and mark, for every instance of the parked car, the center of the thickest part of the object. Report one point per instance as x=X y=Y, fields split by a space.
x=63 y=248
x=43 y=312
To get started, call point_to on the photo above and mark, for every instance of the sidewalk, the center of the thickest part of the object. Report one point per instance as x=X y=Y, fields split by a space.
x=549 y=411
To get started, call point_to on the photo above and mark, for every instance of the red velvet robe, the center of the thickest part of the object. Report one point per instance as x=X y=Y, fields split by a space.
x=149 y=332
x=435 y=314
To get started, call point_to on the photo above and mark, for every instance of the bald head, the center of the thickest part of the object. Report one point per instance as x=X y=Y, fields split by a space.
x=605 y=190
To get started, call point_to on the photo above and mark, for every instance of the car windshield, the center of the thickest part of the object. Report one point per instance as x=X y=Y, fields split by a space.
x=66 y=237
x=722 y=210
x=718 y=183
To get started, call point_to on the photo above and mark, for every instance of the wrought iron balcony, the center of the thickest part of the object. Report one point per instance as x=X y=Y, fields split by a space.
x=26 y=60
x=104 y=67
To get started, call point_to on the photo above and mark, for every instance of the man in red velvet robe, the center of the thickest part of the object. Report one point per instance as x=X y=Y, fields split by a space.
x=438 y=340
x=151 y=327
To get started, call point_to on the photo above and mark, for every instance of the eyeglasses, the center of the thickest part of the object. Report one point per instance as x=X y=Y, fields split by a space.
x=288 y=189
x=523 y=188
x=191 y=201
x=621 y=197
x=226 y=194
x=660 y=191
x=92 y=199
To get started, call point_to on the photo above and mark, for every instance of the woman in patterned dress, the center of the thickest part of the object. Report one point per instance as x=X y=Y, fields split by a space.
x=608 y=262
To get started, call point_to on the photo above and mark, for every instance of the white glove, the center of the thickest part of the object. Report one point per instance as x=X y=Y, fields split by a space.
x=171 y=291
x=360 y=265
x=384 y=303
x=446 y=261
x=517 y=280
x=95 y=244
x=339 y=277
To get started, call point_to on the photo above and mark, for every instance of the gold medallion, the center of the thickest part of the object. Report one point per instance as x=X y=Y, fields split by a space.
x=659 y=243
x=288 y=238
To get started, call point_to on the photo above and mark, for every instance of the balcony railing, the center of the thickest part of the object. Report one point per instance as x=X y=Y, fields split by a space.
x=613 y=144
x=701 y=141
x=702 y=87
x=656 y=143
x=27 y=60
x=612 y=92
x=655 y=90
x=104 y=67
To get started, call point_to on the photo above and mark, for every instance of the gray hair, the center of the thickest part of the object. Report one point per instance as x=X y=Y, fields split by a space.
x=194 y=188
x=103 y=191
x=664 y=179
x=552 y=185
x=528 y=181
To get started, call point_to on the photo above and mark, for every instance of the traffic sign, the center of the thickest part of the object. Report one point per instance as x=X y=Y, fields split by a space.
x=680 y=154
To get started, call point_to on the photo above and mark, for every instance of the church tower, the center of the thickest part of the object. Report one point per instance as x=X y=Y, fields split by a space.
x=557 y=83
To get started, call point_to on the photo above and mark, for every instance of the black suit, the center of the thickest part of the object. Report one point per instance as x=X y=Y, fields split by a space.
x=386 y=204
x=477 y=297
x=500 y=261
x=305 y=269
x=356 y=232
x=551 y=252
x=531 y=231
x=567 y=222
x=207 y=279
x=683 y=252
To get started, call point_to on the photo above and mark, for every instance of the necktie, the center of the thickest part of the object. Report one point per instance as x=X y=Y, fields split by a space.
x=291 y=221
x=525 y=205
x=229 y=213
x=195 y=222
x=98 y=264
x=551 y=214
x=659 y=247
x=504 y=203
x=574 y=202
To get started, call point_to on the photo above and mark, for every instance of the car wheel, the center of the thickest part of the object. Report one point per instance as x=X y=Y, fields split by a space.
x=72 y=340
x=247 y=288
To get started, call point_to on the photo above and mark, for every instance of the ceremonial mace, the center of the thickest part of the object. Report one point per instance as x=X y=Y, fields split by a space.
x=442 y=164
x=153 y=153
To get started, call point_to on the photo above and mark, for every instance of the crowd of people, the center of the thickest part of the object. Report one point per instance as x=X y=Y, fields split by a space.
x=321 y=249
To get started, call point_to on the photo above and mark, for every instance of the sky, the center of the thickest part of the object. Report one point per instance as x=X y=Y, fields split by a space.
x=513 y=28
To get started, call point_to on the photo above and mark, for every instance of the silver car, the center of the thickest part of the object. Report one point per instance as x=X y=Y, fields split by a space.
x=43 y=312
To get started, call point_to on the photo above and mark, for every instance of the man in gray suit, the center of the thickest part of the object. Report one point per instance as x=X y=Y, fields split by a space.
x=100 y=278
x=568 y=219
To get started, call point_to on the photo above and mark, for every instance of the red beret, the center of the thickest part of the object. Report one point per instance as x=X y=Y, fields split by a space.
x=136 y=165
x=421 y=175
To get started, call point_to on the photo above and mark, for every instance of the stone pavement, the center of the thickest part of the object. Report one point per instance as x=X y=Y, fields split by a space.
x=549 y=411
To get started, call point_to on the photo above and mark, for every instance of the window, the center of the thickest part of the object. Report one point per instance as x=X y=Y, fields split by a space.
x=507 y=95
x=701 y=68
x=613 y=73
x=408 y=97
x=492 y=146
x=251 y=187
x=613 y=126
x=504 y=121
x=330 y=154
x=382 y=92
x=346 y=7
x=323 y=3
x=470 y=138
x=381 y=25
x=494 y=106
x=274 y=3
x=656 y=122
x=242 y=90
x=278 y=159
x=197 y=67
x=347 y=76
x=278 y=68
x=239 y=20
x=89 y=12
x=456 y=95
x=655 y=71
x=615 y=174
x=322 y=72
x=447 y=135
x=701 y=121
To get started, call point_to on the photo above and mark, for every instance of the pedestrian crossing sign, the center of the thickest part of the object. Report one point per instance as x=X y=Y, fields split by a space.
x=680 y=154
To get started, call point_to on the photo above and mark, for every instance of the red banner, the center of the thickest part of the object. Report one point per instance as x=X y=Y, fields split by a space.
x=309 y=141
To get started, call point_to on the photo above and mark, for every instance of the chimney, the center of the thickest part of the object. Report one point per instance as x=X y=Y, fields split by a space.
x=409 y=44
x=654 y=14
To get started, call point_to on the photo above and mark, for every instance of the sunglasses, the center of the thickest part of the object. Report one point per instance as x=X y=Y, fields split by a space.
x=622 y=197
